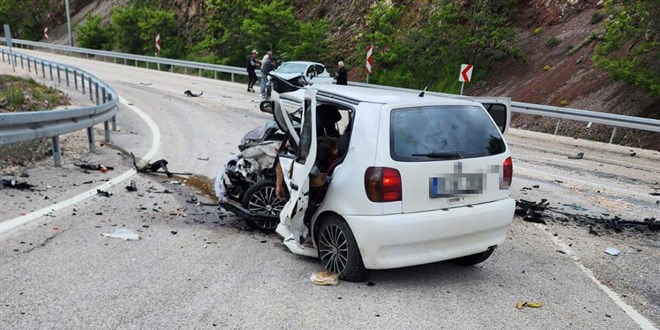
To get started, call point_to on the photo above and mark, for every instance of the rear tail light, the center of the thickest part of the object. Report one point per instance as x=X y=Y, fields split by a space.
x=507 y=173
x=383 y=184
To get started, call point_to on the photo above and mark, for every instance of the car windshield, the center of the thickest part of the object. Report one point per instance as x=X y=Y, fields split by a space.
x=443 y=132
x=292 y=68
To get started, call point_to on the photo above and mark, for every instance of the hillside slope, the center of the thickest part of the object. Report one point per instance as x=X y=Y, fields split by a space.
x=571 y=76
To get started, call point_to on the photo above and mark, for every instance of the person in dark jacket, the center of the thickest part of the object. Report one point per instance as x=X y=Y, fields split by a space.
x=251 y=68
x=341 y=75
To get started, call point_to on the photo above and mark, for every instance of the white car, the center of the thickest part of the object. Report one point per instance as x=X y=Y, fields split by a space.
x=313 y=72
x=418 y=179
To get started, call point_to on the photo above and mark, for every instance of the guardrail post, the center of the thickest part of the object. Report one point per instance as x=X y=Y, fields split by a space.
x=613 y=134
x=3 y=56
x=50 y=71
x=36 y=68
x=158 y=66
x=171 y=68
x=59 y=77
x=557 y=127
x=96 y=92
x=57 y=152
x=29 y=69
x=135 y=63
x=75 y=79
x=43 y=69
x=232 y=77
x=215 y=75
x=90 y=139
x=147 y=65
x=200 y=72
x=185 y=70
x=82 y=82
x=106 y=124
x=89 y=83
x=125 y=62
x=22 y=67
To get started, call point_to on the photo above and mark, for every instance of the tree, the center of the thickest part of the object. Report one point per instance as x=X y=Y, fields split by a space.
x=629 y=49
x=92 y=35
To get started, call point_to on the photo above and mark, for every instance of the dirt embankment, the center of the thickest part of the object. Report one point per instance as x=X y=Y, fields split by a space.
x=564 y=74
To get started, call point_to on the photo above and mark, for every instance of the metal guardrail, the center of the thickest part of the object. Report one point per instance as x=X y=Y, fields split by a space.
x=560 y=113
x=25 y=126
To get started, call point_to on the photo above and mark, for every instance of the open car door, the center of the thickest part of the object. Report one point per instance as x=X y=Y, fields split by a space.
x=499 y=108
x=296 y=169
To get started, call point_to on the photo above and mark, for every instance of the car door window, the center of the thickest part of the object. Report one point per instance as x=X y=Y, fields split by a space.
x=305 y=134
x=499 y=114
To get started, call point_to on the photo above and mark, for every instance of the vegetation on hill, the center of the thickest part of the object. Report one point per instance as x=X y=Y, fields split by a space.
x=19 y=95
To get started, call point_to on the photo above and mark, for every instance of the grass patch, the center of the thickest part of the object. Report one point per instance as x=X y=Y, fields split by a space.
x=23 y=95
x=551 y=42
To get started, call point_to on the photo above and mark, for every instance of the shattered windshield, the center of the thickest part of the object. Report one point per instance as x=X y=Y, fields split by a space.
x=292 y=68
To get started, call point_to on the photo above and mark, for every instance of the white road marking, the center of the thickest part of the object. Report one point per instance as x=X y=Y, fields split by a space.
x=643 y=322
x=155 y=146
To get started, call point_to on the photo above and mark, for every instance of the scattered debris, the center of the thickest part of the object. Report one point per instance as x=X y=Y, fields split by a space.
x=655 y=194
x=579 y=155
x=576 y=207
x=94 y=167
x=145 y=83
x=531 y=211
x=17 y=185
x=530 y=304
x=204 y=159
x=322 y=277
x=191 y=94
x=370 y=283
x=612 y=251
x=124 y=234
x=132 y=186
x=103 y=193
x=174 y=232
x=155 y=167
x=536 y=186
x=633 y=154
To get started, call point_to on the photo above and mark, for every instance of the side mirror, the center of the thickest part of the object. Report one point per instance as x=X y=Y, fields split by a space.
x=266 y=106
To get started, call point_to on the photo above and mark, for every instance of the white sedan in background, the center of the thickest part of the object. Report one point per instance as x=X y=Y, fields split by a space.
x=313 y=72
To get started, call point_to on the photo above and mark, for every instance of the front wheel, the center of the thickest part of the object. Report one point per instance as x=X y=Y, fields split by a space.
x=261 y=198
x=339 y=251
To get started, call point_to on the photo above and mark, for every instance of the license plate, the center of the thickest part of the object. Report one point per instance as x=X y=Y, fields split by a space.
x=456 y=184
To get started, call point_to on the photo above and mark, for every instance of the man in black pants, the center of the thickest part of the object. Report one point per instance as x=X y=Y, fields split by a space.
x=341 y=75
x=251 y=67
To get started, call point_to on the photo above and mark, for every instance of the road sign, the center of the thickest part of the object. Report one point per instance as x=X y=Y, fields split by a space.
x=466 y=73
x=369 y=59
x=46 y=33
x=158 y=42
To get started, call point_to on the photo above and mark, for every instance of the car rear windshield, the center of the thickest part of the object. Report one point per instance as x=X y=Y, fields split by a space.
x=432 y=133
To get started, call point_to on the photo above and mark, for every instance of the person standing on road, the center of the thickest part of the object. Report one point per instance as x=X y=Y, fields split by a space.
x=341 y=75
x=251 y=68
x=267 y=65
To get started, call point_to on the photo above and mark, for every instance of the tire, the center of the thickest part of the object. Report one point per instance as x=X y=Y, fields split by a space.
x=338 y=250
x=261 y=198
x=474 y=259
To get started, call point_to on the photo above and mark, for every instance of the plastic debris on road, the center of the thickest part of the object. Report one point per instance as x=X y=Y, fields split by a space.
x=612 y=251
x=530 y=304
x=579 y=155
x=322 y=277
x=124 y=234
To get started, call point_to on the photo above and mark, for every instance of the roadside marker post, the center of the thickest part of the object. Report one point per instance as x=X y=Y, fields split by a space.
x=8 y=39
x=369 y=61
x=465 y=75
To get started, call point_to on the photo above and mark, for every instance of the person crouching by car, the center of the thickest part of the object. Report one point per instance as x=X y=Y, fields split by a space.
x=253 y=63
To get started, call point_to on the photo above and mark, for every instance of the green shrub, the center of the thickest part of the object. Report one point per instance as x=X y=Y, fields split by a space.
x=546 y=68
x=538 y=31
x=92 y=35
x=563 y=103
x=551 y=42
x=569 y=48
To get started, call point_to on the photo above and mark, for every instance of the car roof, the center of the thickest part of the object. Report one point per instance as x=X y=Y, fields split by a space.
x=356 y=95
x=302 y=62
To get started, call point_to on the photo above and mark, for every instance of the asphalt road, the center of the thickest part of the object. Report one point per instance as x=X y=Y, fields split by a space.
x=194 y=269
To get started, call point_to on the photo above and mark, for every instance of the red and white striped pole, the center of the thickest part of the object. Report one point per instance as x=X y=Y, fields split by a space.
x=369 y=61
x=157 y=44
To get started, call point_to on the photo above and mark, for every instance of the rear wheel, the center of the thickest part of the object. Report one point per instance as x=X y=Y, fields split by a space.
x=474 y=259
x=261 y=198
x=339 y=251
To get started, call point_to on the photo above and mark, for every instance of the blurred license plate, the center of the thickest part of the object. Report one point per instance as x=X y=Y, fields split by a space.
x=456 y=184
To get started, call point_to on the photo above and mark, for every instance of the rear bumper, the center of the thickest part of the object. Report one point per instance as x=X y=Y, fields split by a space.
x=401 y=240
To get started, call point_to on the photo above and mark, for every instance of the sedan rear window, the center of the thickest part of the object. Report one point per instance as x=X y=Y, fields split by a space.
x=433 y=133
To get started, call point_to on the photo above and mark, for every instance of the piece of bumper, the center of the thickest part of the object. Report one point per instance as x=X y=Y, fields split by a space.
x=401 y=240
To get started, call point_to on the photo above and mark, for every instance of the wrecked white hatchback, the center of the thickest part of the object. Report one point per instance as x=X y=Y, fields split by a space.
x=413 y=180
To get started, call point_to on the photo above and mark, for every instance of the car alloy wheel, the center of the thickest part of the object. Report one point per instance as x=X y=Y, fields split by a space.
x=333 y=249
x=262 y=199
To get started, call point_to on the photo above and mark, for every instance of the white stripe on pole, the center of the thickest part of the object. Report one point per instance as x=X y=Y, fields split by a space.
x=369 y=59
x=158 y=42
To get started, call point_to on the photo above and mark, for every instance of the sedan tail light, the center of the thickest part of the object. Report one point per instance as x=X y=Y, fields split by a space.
x=383 y=184
x=507 y=173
